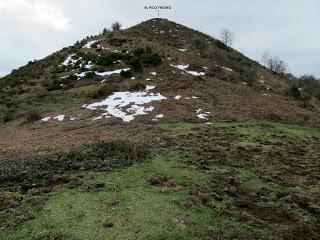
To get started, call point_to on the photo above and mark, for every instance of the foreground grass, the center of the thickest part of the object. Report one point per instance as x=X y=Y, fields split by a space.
x=143 y=211
x=254 y=180
x=262 y=173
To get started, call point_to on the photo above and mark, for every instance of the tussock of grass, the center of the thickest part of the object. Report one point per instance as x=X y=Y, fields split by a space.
x=100 y=156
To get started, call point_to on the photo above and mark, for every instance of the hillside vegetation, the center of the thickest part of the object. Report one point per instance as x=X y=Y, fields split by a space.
x=157 y=132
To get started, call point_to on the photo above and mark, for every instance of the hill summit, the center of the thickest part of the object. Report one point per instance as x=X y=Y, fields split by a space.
x=156 y=71
x=182 y=71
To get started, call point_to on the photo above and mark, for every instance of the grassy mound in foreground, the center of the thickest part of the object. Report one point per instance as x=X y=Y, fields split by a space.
x=254 y=180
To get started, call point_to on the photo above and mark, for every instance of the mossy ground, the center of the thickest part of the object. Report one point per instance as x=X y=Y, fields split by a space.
x=252 y=180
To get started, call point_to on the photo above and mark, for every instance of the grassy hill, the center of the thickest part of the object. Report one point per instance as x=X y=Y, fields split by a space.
x=156 y=132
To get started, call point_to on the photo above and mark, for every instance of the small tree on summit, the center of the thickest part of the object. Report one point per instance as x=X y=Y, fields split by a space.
x=227 y=37
x=116 y=26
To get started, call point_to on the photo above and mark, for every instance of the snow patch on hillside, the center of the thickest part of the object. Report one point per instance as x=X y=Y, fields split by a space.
x=158 y=117
x=46 y=119
x=109 y=73
x=70 y=61
x=89 y=44
x=60 y=118
x=184 y=68
x=127 y=105
x=202 y=115
x=148 y=88
x=224 y=68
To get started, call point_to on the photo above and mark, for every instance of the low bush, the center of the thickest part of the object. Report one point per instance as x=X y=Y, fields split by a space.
x=98 y=69
x=107 y=59
x=52 y=84
x=126 y=74
x=102 y=91
x=90 y=74
x=32 y=116
x=87 y=57
x=95 y=156
x=294 y=92
x=200 y=44
x=72 y=77
x=136 y=64
x=138 y=52
x=117 y=41
x=151 y=58
x=137 y=59
x=221 y=45
x=94 y=45
x=249 y=76
x=147 y=56
x=116 y=26
x=137 y=87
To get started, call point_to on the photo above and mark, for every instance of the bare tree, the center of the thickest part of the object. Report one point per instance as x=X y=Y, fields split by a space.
x=265 y=58
x=276 y=65
x=116 y=26
x=227 y=37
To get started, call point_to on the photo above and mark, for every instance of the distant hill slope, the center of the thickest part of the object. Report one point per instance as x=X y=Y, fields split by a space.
x=157 y=71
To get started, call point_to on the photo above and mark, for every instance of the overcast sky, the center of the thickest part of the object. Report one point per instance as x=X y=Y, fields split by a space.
x=33 y=29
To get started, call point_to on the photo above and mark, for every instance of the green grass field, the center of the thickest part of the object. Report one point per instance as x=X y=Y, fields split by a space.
x=252 y=180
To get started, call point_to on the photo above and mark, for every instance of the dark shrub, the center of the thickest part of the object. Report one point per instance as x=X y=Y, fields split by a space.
x=105 y=60
x=109 y=58
x=68 y=85
x=249 y=76
x=136 y=64
x=116 y=26
x=138 y=52
x=221 y=45
x=72 y=77
x=32 y=116
x=102 y=91
x=99 y=69
x=100 y=156
x=6 y=116
x=94 y=45
x=294 y=92
x=89 y=57
x=195 y=67
x=149 y=58
x=274 y=117
x=137 y=87
x=200 y=44
x=117 y=41
x=126 y=74
x=52 y=85
x=90 y=74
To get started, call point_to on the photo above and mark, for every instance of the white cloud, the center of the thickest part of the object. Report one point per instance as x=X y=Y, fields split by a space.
x=41 y=12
